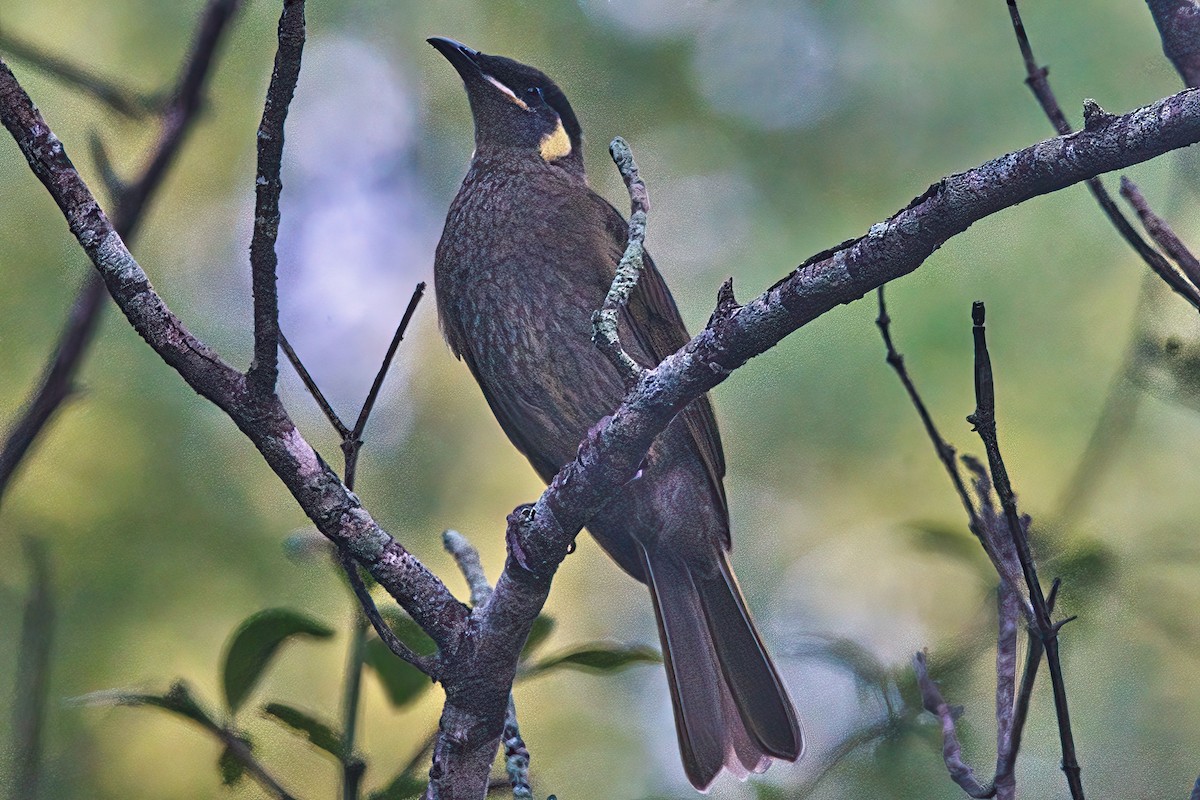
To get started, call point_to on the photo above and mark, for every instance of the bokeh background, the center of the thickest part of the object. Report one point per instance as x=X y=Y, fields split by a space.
x=766 y=131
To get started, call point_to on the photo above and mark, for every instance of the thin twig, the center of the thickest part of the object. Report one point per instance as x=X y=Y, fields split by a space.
x=264 y=369
x=984 y=420
x=80 y=328
x=1040 y=86
x=314 y=389
x=1008 y=608
x=945 y=451
x=1158 y=230
x=121 y=99
x=32 y=675
x=236 y=746
x=402 y=651
x=934 y=703
x=352 y=766
x=604 y=321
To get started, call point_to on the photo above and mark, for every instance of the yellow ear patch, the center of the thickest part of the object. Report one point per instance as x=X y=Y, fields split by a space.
x=556 y=144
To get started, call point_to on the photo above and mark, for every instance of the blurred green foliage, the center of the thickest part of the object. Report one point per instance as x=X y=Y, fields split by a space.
x=165 y=528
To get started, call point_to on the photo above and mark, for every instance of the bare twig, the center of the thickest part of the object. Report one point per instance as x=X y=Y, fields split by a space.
x=73 y=343
x=354 y=440
x=264 y=370
x=32 y=675
x=121 y=99
x=1158 y=230
x=428 y=665
x=934 y=703
x=516 y=755
x=629 y=269
x=947 y=455
x=1040 y=86
x=314 y=389
x=984 y=420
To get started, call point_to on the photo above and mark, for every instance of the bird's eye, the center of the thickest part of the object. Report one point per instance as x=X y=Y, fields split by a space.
x=534 y=92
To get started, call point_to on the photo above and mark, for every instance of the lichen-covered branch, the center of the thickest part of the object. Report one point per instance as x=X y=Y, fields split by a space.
x=336 y=512
x=629 y=268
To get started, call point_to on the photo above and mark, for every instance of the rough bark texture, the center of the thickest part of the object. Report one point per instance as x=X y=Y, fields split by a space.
x=480 y=649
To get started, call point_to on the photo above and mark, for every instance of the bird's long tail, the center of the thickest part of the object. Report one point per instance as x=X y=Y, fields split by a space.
x=731 y=709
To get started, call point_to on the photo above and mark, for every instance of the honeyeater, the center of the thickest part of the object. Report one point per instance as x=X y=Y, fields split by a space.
x=527 y=254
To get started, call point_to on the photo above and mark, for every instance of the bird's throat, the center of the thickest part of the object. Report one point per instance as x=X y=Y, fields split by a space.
x=556 y=144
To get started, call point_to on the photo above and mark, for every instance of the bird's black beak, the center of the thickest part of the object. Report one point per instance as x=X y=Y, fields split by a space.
x=459 y=55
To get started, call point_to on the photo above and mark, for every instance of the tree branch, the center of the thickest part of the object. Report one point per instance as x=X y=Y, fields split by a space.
x=131 y=202
x=477 y=686
x=264 y=370
x=1158 y=230
x=1040 y=86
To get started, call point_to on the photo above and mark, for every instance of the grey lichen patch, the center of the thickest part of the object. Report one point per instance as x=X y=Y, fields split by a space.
x=372 y=542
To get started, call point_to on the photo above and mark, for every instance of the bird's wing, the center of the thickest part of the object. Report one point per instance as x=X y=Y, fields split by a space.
x=654 y=319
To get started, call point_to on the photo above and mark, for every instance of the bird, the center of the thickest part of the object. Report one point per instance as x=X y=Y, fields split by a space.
x=527 y=254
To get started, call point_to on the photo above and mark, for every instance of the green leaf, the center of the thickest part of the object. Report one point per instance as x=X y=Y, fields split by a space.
x=178 y=700
x=231 y=767
x=403 y=787
x=598 y=657
x=319 y=733
x=542 y=627
x=254 y=643
x=402 y=682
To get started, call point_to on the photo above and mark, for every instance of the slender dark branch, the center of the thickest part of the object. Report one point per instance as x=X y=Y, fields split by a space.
x=264 y=370
x=32 y=675
x=236 y=746
x=984 y=420
x=428 y=665
x=1178 y=24
x=123 y=100
x=1040 y=86
x=516 y=755
x=945 y=451
x=629 y=269
x=1158 y=230
x=80 y=328
x=369 y=404
x=314 y=389
x=352 y=766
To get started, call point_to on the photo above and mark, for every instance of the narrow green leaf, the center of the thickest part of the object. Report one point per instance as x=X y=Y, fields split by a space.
x=255 y=642
x=402 y=682
x=319 y=733
x=541 y=630
x=178 y=700
x=598 y=657
x=231 y=768
x=403 y=787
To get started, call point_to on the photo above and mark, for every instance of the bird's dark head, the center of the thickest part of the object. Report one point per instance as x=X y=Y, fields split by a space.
x=515 y=106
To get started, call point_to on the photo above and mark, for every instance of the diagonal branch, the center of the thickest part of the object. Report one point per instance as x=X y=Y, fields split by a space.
x=264 y=370
x=1158 y=230
x=80 y=328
